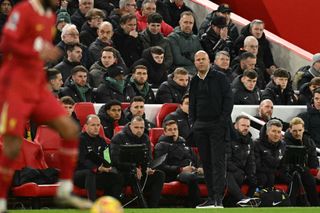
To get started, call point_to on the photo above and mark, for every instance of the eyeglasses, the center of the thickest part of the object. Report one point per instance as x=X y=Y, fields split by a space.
x=132 y=5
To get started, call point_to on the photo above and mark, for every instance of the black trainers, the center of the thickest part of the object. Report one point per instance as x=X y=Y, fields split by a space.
x=219 y=203
x=209 y=203
x=249 y=202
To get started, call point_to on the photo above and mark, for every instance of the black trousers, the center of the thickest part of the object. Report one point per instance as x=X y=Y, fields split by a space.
x=192 y=181
x=153 y=186
x=266 y=180
x=210 y=140
x=110 y=182
x=234 y=182
x=309 y=184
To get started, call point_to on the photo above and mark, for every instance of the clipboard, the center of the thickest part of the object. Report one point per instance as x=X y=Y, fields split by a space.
x=96 y=159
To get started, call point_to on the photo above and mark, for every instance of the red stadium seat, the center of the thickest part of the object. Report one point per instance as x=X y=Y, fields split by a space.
x=155 y=134
x=164 y=111
x=50 y=141
x=82 y=110
x=124 y=105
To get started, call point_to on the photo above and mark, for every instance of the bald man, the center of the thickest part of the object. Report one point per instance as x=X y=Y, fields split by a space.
x=210 y=107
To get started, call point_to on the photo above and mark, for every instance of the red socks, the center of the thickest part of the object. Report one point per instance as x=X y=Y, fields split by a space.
x=68 y=156
x=6 y=173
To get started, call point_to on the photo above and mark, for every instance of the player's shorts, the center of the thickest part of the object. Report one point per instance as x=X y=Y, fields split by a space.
x=15 y=111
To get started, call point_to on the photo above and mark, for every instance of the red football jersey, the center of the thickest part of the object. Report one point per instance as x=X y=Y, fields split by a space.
x=24 y=34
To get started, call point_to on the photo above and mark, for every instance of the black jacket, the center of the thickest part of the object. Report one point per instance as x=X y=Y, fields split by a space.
x=242 y=96
x=221 y=97
x=170 y=92
x=240 y=155
x=108 y=123
x=88 y=34
x=311 y=120
x=273 y=92
x=78 y=19
x=264 y=53
x=95 y=49
x=305 y=95
x=312 y=159
x=147 y=92
x=213 y=43
x=127 y=137
x=72 y=91
x=179 y=155
x=107 y=91
x=157 y=73
x=65 y=68
x=129 y=47
x=90 y=144
x=182 y=120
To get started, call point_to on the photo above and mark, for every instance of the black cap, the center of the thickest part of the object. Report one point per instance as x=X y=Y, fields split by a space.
x=114 y=71
x=219 y=21
x=224 y=8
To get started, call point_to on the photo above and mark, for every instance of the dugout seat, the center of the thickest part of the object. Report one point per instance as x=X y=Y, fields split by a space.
x=154 y=134
x=164 y=111
x=82 y=110
x=124 y=105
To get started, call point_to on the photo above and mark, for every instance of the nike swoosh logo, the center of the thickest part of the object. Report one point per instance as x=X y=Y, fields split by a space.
x=276 y=203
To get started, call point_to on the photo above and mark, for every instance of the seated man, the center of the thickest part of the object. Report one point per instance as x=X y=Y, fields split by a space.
x=245 y=91
x=279 y=89
x=93 y=175
x=306 y=91
x=133 y=133
x=111 y=116
x=139 y=82
x=55 y=82
x=172 y=90
x=77 y=86
x=241 y=165
x=181 y=117
x=114 y=86
x=269 y=149
x=296 y=136
x=181 y=164
x=136 y=108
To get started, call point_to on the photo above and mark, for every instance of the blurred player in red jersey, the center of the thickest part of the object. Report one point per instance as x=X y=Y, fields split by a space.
x=26 y=44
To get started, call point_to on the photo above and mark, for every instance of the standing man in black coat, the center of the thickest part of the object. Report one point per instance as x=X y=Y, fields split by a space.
x=211 y=104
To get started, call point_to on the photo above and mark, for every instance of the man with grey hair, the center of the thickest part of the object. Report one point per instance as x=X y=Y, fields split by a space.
x=306 y=73
x=269 y=149
x=125 y=7
x=79 y=16
x=222 y=64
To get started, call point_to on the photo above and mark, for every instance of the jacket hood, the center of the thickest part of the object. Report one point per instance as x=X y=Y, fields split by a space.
x=169 y=139
x=237 y=84
x=175 y=85
x=105 y=117
x=178 y=31
x=146 y=54
x=264 y=139
x=246 y=32
x=288 y=137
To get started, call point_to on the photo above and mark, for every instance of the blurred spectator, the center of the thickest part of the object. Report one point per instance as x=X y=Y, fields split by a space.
x=223 y=10
x=245 y=91
x=216 y=38
x=221 y=63
x=114 y=87
x=181 y=117
x=109 y=57
x=111 y=117
x=279 y=89
x=241 y=166
x=105 y=5
x=5 y=8
x=153 y=59
x=63 y=18
x=78 y=88
x=88 y=33
x=125 y=7
x=127 y=40
x=256 y=28
x=68 y=104
x=306 y=90
x=306 y=73
x=89 y=174
x=139 y=81
x=54 y=80
x=148 y=7
x=181 y=164
x=172 y=90
x=269 y=150
x=184 y=43
x=73 y=58
x=311 y=117
x=297 y=136
x=151 y=36
x=175 y=8
x=78 y=18
x=161 y=9
x=137 y=108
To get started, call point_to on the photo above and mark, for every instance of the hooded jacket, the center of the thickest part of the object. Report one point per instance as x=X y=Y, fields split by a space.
x=305 y=95
x=157 y=73
x=146 y=92
x=147 y=124
x=108 y=123
x=170 y=92
x=273 y=92
x=72 y=90
x=88 y=34
x=242 y=96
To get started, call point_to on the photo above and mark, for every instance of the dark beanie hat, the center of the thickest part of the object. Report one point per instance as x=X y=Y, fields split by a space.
x=114 y=71
x=219 y=21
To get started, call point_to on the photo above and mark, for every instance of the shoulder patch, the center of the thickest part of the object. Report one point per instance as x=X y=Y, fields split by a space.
x=13 y=21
